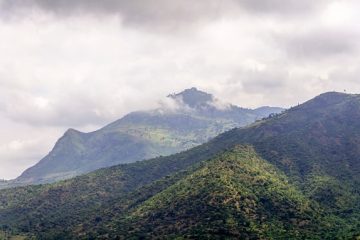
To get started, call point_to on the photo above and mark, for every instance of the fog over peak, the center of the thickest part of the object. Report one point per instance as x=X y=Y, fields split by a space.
x=85 y=63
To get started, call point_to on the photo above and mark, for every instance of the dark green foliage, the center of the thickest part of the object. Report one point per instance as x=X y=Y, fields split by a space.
x=299 y=180
x=236 y=195
x=64 y=204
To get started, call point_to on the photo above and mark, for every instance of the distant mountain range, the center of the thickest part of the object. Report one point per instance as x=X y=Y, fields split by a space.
x=294 y=175
x=185 y=120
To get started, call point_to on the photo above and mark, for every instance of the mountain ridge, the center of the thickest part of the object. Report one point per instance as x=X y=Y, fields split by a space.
x=239 y=171
x=138 y=136
x=293 y=150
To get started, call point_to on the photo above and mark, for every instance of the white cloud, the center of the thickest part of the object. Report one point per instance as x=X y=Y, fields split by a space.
x=70 y=64
x=21 y=146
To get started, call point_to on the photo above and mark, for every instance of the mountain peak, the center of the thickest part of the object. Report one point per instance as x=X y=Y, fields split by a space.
x=193 y=97
x=71 y=131
x=328 y=98
x=333 y=95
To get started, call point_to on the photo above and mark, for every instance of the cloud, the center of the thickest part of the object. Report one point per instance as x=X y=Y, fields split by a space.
x=21 y=146
x=289 y=7
x=220 y=105
x=85 y=63
x=159 y=14
x=318 y=44
x=154 y=14
x=172 y=105
x=260 y=80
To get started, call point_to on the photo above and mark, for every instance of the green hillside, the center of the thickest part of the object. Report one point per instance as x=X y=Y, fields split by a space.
x=236 y=195
x=317 y=145
x=192 y=119
x=296 y=176
x=60 y=206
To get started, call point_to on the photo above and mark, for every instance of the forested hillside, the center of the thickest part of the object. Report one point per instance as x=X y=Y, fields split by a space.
x=294 y=175
x=189 y=119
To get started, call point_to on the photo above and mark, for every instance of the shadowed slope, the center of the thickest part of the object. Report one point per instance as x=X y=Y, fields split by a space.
x=192 y=119
x=312 y=159
x=236 y=195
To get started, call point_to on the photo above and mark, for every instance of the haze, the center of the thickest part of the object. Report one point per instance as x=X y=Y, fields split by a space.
x=85 y=63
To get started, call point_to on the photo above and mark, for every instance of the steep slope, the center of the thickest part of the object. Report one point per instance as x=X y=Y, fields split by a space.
x=192 y=118
x=316 y=142
x=312 y=149
x=56 y=208
x=236 y=196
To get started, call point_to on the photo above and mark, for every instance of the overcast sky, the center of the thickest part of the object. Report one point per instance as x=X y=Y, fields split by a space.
x=85 y=63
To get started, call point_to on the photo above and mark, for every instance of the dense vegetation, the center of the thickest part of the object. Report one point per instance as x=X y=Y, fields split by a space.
x=140 y=135
x=236 y=195
x=298 y=179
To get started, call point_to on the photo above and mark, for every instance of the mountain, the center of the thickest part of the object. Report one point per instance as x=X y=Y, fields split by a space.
x=236 y=195
x=293 y=175
x=188 y=119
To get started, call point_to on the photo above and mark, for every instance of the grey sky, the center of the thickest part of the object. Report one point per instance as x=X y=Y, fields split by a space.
x=84 y=63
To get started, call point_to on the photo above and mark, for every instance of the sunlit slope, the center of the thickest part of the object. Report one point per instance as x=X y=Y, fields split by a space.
x=236 y=195
x=192 y=119
x=300 y=177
